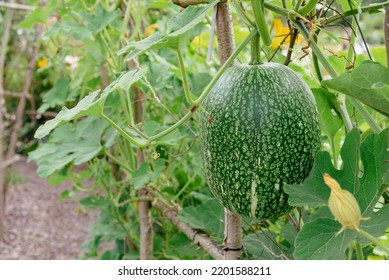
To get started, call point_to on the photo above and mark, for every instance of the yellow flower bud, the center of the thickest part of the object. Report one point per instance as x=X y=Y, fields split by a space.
x=343 y=205
x=42 y=62
x=151 y=29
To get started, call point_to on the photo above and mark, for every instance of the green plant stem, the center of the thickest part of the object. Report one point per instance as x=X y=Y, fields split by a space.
x=228 y=62
x=298 y=5
x=118 y=162
x=196 y=102
x=365 y=114
x=111 y=54
x=315 y=60
x=351 y=248
x=279 y=10
x=123 y=102
x=368 y=8
x=172 y=128
x=360 y=108
x=122 y=132
x=255 y=51
x=260 y=22
x=188 y=94
x=307 y=8
x=374 y=240
x=359 y=251
x=316 y=50
x=241 y=13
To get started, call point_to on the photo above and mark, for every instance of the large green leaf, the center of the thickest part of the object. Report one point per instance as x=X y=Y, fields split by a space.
x=69 y=144
x=365 y=174
x=92 y=104
x=178 y=26
x=367 y=188
x=207 y=217
x=318 y=240
x=369 y=83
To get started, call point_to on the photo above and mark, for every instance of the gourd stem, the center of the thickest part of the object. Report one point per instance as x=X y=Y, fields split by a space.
x=228 y=62
x=308 y=7
x=259 y=17
x=188 y=94
x=374 y=240
x=255 y=50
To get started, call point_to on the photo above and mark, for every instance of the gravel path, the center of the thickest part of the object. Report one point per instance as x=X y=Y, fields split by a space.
x=37 y=225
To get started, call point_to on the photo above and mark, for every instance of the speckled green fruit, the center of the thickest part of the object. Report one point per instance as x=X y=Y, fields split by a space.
x=259 y=131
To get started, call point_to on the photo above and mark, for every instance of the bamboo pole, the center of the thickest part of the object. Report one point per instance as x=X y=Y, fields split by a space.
x=4 y=44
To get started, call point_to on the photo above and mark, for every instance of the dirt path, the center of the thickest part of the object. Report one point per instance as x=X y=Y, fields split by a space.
x=37 y=225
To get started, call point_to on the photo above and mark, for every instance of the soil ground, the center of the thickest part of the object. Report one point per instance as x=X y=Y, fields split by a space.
x=38 y=226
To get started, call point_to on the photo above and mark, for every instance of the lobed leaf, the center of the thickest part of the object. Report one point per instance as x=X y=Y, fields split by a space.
x=369 y=83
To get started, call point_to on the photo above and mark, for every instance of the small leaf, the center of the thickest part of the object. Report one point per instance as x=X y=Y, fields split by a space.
x=330 y=122
x=57 y=96
x=261 y=246
x=97 y=22
x=208 y=216
x=369 y=83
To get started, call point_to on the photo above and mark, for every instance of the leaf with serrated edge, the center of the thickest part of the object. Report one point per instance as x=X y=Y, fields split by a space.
x=366 y=188
x=372 y=152
x=90 y=105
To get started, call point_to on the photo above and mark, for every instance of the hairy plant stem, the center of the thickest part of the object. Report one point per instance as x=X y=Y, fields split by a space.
x=359 y=251
x=375 y=240
x=255 y=51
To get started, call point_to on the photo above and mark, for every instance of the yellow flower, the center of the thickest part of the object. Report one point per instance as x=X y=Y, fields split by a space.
x=42 y=62
x=151 y=29
x=343 y=205
x=282 y=36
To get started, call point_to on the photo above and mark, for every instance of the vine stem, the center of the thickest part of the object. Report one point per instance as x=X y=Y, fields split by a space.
x=342 y=106
x=374 y=240
x=260 y=22
x=187 y=92
x=359 y=251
